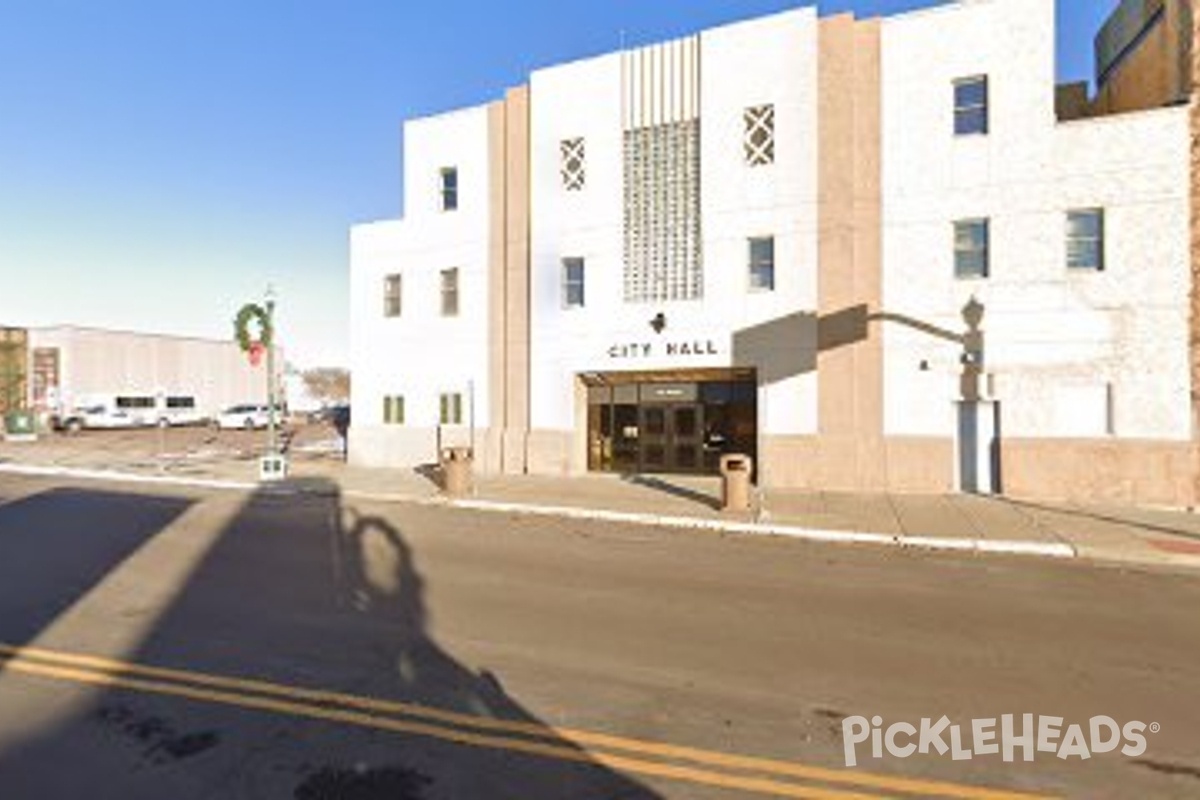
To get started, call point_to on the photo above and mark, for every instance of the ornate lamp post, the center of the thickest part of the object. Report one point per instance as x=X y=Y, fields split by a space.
x=255 y=345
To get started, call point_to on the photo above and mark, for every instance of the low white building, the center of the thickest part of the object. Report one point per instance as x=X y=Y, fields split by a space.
x=71 y=365
x=866 y=252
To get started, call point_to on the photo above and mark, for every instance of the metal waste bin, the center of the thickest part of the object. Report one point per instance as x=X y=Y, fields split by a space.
x=736 y=469
x=19 y=425
x=456 y=470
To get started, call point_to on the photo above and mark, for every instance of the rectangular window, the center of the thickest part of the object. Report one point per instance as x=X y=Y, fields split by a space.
x=762 y=263
x=971 y=106
x=450 y=292
x=1085 y=239
x=450 y=412
x=391 y=296
x=971 y=248
x=393 y=409
x=449 y=188
x=572 y=280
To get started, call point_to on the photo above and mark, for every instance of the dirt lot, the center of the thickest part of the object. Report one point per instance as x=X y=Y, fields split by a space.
x=176 y=446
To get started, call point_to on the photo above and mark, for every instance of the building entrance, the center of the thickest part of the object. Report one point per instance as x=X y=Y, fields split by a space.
x=670 y=422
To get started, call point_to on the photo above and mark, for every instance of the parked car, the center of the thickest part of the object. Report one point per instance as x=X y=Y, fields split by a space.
x=248 y=416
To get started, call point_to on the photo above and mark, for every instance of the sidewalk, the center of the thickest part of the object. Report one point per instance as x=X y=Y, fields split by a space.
x=950 y=522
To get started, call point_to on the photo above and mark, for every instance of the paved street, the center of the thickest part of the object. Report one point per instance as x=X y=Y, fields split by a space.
x=173 y=642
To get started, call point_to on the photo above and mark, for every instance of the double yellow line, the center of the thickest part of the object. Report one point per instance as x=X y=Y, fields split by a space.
x=711 y=768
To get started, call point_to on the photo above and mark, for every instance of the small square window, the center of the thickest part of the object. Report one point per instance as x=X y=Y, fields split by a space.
x=971 y=106
x=573 y=282
x=450 y=292
x=391 y=296
x=762 y=263
x=450 y=408
x=393 y=409
x=971 y=248
x=1085 y=239
x=449 y=177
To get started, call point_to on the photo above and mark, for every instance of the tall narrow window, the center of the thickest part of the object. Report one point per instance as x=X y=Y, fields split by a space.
x=762 y=263
x=971 y=105
x=971 y=248
x=759 y=138
x=450 y=292
x=573 y=166
x=449 y=177
x=572 y=282
x=391 y=296
x=450 y=411
x=1085 y=239
x=393 y=409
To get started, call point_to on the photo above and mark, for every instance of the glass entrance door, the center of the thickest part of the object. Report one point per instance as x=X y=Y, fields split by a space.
x=671 y=437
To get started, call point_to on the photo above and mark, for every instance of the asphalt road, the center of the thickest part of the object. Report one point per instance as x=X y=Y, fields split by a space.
x=191 y=644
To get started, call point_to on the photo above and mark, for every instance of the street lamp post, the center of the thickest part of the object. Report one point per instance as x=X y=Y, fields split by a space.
x=272 y=436
x=272 y=466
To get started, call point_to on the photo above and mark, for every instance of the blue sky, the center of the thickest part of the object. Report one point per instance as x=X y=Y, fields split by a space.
x=163 y=162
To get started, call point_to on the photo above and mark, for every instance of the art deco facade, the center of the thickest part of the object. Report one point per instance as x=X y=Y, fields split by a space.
x=882 y=253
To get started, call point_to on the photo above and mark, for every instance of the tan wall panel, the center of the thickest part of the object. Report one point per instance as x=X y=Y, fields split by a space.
x=850 y=375
x=549 y=452
x=517 y=257
x=1119 y=471
x=907 y=464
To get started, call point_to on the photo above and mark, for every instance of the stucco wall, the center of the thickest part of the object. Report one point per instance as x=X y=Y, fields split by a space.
x=769 y=60
x=1055 y=340
x=421 y=354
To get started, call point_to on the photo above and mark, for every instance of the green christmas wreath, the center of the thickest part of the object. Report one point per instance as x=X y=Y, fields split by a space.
x=252 y=312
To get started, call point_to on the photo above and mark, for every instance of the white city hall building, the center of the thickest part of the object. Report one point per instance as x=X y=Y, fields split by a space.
x=872 y=254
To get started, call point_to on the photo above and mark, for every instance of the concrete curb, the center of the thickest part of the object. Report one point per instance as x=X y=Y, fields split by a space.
x=997 y=546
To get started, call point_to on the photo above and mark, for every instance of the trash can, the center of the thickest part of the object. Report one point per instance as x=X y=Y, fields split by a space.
x=456 y=470
x=736 y=469
x=19 y=426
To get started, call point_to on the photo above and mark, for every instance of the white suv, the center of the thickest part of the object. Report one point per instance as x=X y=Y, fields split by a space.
x=247 y=416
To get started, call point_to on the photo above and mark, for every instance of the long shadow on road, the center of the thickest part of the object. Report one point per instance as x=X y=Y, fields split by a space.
x=325 y=608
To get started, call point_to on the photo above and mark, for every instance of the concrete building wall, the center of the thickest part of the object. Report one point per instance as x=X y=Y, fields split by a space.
x=1070 y=355
x=422 y=354
x=95 y=362
x=859 y=348
x=1155 y=69
x=770 y=60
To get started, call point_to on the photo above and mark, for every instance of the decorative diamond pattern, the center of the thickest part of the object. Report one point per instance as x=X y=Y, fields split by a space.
x=573 y=164
x=760 y=135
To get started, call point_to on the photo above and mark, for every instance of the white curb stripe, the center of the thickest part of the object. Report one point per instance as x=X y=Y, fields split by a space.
x=1011 y=547
x=999 y=546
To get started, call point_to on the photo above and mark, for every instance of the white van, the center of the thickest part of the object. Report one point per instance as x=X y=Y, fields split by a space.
x=97 y=414
x=130 y=410
x=179 y=409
